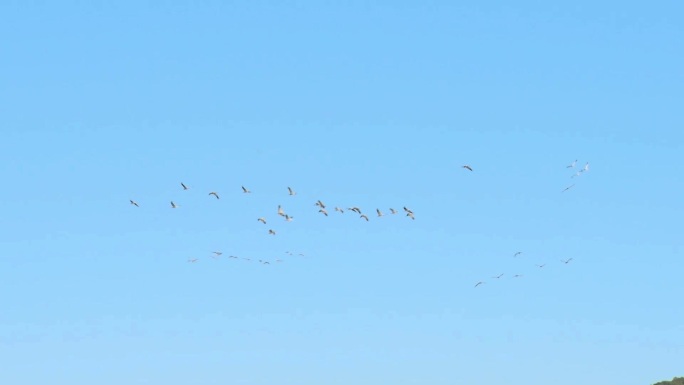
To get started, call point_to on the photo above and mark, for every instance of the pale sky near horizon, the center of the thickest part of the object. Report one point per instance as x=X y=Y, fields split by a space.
x=375 y=105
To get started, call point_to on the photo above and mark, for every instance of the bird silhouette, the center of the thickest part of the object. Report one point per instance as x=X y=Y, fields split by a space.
x=173 y=205
x=364 y=217
x=214 y=194
x=244 y=190
x=134 y=203
x=291 y=191
x=184 y=186
x=479 y=283
x=262 y=220
x=468 y=167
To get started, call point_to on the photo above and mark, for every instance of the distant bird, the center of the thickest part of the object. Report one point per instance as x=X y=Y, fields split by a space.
x=518 y=253
x=232 y=256
x=214 y=194
x=379 y=212
x=280 y=211
x=288 y=218
x=291 y=191
x=517 y=275
x=572 y=165
x=479 y=283
x=320 y=204
x=468 y=167
x=134 y=203
x=323 y=211
x=410 y=214
x=568 y=188
x=262 y=220
x=542 y=265
x=578 y=173
x=300 y=254
x=192 y=260
x=355 y=209
x=364 y=217
x=279 y=260
x=184 y=186
x=217 y=252
x=340 y=210
x=393 y=211
x=173 y=205
x=266 y=263
x=407 y=210
x=566 y=261
x=271 y=232
x=586 y=167
x=244 y=190
x=498 y=276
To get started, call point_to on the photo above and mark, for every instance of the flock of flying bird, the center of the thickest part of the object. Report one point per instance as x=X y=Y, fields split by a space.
x=564 y=261
x=322 y=209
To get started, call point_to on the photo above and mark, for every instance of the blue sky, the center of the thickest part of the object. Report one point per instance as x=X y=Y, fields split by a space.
x=356 y=104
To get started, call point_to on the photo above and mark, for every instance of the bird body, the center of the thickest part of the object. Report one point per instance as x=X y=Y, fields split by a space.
x=467 y=167
x=291 y=191
x=245 y=190
x=134 y=203
x=364 y=217
x=262 y=220
x=214 y=194
x=173 y=205
x=184 y=186
x=271 y=232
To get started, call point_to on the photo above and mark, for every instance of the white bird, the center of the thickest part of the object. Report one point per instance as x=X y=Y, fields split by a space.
x=271 y=232
x=393 y=211
x=379 y=212
x=214 y=194
x=244 y=190
x=292 y=192
x=518 y=253
x=192 y=260
x=288 y=218
x=586 y=167
x=280 y=211
x=410 y=214
x=262 y=220
x=339 y=209
x=134 y=203
x=572 y=165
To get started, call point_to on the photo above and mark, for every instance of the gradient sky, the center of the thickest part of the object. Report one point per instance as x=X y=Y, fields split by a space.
x=357 y=103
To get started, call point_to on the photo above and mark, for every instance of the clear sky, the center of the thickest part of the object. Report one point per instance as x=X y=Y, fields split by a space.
x=356 y=103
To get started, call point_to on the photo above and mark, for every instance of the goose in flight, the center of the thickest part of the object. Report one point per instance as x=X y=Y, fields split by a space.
x=280 y=211
x=134 y=203
x=323 y=211
x=407 y=210
x=271 y=232
x=517 y=253
x=262 y=220
x=568 y=188
x=498 y=276
x=479 y=283
x=173 y=205
x=410 y=214
x=214 y=194
x=244 y=190
x=468 y=167
x=319 y=204
x=379 y=212
x=339 y=210
x=364 y=217
x=291 y=191
x=542 y=265
x=288 y=218
x=192 y=260
x=393 y=211
x=566 y=261
x=217 y=253
x=355 y=209
x=586 y=167
x=572 y=165
x=517 y=275
x=184 y=186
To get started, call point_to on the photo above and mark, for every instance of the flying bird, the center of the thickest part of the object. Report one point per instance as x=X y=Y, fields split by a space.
x=214 y=194
x=184 y=186
x=134 y=203
x=192 y=260
x=244 y=190
x=517 y=275
x=568 y=188
x=320 y=204
x=288 y=218
x=339 y=209
x=393 y=211
x=468 y=167
x=572 y=165
x=280 y=211
x=323 y=211
x=364 y=217
x=566 y=261
x=586 y=167
x=498 y=276
x=479 y=283
x=291 y=191
x=173 y=205
x=410 y=214
x=518 y=253
x=271 y=232
x=379 y=212
x=262 y=220
x=217 y=252
x=542 y=265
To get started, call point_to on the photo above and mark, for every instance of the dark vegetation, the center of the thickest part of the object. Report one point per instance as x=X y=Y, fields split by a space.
x=675 y=381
